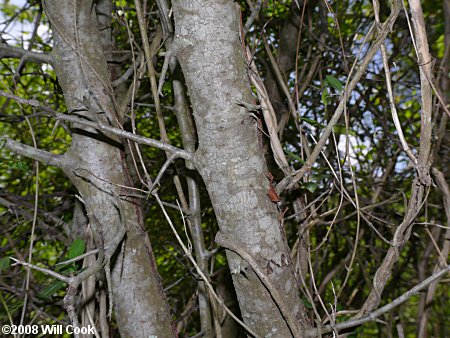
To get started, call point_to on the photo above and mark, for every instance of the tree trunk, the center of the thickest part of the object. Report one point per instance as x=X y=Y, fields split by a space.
x=231 y=162
x=96 y=166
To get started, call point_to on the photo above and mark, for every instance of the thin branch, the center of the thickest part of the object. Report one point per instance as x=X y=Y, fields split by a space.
x=443 y=253
x=387 y=72
x=33 y=153
x=424 y=61
x=377 y=313
x=74 y=281
x=289 y=182
x=162 y=171
x=423 y=179
x=268 y=114
x=279 y=77
x=19 y=53
x=19 y=207
x=33 y=225
x=30 y=102
x=116 y=131
x=44 y=270
x=252 y=17
x=133 y=137
x=126 y=75
x=89 y=253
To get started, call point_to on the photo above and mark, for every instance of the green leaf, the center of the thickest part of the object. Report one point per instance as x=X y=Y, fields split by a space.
x=310 y=186
x=319 y=177
x=9 y=9
x=333 y=82
x=51 y=289
x=167 y=87
x=295 y=157
x=340 y=129
x=18 y=165
x=312 y=122
x=306 y=303
x=22 y=166
x=76 y=249
x=4 y=263
x=326 y=97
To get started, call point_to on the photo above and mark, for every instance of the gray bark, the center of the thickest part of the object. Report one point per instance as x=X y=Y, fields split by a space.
x=231 y=162
x=96 y=166
x=187 y=130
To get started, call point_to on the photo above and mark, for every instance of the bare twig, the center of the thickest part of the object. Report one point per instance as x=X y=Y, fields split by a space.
x=424 y=61
x=75 y=281
x=387 y=72
x=78 y=258
x=33 y=226
x=163 y=169
x=125 y=76
x=44 y=270
x=279 y=77
x=269 y=115
x=423 y=179
x=19 y=53
x=290 y=181
x=133 y=137
x=252 y=17
x=55 y=160
x=443 y=253
x=34 y=153
x=377 y=313
x=427 y=74
x=13 y=204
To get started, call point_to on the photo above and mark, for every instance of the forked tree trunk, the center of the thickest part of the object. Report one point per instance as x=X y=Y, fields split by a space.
x=231 y=161
x=95 y=164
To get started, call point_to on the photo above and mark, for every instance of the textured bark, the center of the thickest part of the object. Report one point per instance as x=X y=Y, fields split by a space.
x=95 y=164
x=231 y=162
x=187 y=130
